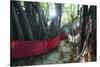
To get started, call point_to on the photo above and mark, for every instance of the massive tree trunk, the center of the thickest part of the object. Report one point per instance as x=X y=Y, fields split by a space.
x=31 y=20
x=93 y=46
x=88 y=33
x=24 y=21
x=83 y=29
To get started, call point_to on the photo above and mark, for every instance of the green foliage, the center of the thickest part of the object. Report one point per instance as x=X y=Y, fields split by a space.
x=69 y=11
x=43 y=6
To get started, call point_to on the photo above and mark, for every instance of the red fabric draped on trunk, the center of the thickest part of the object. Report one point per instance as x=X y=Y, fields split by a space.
x=32 y=48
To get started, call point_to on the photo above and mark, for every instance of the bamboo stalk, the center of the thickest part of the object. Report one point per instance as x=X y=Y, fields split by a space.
x=27 y=24
x=19 y=30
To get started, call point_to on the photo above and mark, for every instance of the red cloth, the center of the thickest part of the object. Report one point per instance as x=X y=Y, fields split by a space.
x=28 y=48
x=62 y=36
x=31 y=48
x=53 y=42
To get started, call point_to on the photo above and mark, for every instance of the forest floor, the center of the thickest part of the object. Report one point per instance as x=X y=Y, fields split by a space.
x=51 y=57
